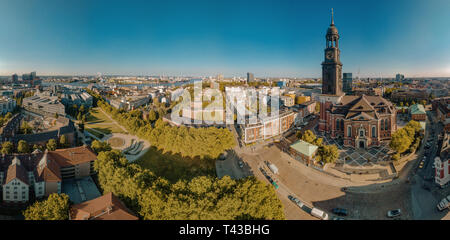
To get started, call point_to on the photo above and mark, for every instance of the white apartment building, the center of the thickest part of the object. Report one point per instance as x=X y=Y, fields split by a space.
x=16 y=185
x=7 y=105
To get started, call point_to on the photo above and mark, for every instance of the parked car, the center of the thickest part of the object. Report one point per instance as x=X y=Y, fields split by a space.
x=394 y=213
x=444 y=203
x=290 y=197
x=340 y=211
x=337 y=218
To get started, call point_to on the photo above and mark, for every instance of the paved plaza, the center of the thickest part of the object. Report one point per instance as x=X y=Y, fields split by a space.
x=357 y=157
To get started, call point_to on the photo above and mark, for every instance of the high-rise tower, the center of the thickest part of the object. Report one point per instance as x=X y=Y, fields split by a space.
x=332 y=66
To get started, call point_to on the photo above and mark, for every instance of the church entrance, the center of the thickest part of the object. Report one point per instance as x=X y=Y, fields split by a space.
x=361 y=144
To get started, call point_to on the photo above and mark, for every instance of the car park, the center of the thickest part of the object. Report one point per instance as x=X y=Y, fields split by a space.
x=394 y=213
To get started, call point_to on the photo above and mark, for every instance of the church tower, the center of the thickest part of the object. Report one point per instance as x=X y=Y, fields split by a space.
x=332 y=66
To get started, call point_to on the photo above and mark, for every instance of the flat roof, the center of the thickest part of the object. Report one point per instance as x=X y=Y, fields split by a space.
x=80 y=190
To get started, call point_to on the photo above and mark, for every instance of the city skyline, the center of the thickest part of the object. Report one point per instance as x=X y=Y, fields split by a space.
x=204 y=39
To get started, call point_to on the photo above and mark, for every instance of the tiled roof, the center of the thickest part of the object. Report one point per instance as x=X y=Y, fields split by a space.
x=16 y=170
x=106 y=207
x=48 y=170
x=72 y=156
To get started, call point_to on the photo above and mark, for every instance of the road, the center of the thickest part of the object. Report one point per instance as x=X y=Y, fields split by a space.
x=317 y=189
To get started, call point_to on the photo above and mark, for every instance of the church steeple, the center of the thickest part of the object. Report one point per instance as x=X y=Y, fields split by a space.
x=332 y=18
x=332 y=66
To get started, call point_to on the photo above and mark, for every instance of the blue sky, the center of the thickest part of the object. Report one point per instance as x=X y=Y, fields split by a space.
x=268 y=38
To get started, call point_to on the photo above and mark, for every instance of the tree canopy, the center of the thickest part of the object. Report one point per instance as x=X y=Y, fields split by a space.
x=52 y=145
x=55 y=207
x=202 y=197
x=7 y=147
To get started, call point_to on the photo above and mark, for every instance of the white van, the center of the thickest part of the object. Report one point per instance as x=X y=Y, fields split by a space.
x=319 y=214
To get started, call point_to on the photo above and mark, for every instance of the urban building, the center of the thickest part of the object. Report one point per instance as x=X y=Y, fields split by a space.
x=44 y=105
x=15 y=78
x=268 y=127
x=442 y=162
x=347 y=83
x=106 y=207
x=41 y=174
x=7 y=105
x=442 y=108
x=287 y=101
x=417 y=112
x=359 y=121
x=250 y=77
x=303 y=151
x=399 y=77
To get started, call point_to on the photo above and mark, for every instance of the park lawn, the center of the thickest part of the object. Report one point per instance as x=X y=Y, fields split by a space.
x=106 y=128
x=94 y=133
x=96 y=116
x=175 y=167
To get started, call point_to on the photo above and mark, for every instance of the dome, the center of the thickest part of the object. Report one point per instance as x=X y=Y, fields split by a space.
x=332 y=30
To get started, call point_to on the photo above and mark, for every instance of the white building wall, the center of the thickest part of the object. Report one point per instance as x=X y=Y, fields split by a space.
x=15 y=191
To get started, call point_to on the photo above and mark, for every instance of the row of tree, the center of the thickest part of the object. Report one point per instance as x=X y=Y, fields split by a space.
x=24 y=147
x=200 y=198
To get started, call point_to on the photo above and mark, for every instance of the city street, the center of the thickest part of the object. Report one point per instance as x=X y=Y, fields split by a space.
x=321 y=190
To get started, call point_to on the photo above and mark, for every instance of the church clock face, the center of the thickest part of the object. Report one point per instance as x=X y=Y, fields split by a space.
x=329 y=55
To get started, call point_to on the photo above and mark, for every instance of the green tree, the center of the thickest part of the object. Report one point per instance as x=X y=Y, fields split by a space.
x=99 y=146
x=328 y=153
x=52 y=145
x=152 y=116
x=22 y=147
x=7 y=147
x=63 y=142
x=400 y=141
x=8 y=115
x=25 y=128
x=317 y=108
x=55 y=207
x=308 y=136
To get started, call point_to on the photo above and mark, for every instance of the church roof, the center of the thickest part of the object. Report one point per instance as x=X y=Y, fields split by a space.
x=372 y=106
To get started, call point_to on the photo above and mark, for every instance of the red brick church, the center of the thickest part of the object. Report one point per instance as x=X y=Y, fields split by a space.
x=360 y=121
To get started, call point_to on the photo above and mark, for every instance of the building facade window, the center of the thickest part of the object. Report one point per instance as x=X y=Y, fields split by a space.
x=349 y=131
x=374 y=132
x=382 y=124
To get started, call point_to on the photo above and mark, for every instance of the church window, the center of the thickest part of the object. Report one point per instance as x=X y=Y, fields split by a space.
x=349 y=131
x=374 y=133
x=382 y=124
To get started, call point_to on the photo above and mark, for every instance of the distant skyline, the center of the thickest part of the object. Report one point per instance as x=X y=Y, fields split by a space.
x=206 y=38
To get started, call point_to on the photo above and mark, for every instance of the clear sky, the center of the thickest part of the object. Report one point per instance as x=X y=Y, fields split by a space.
x=268 y=38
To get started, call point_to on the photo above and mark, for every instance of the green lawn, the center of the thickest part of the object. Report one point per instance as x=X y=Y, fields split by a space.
x=96 y=116
x=99 y=121
x=174 y=167
x=93 y=133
